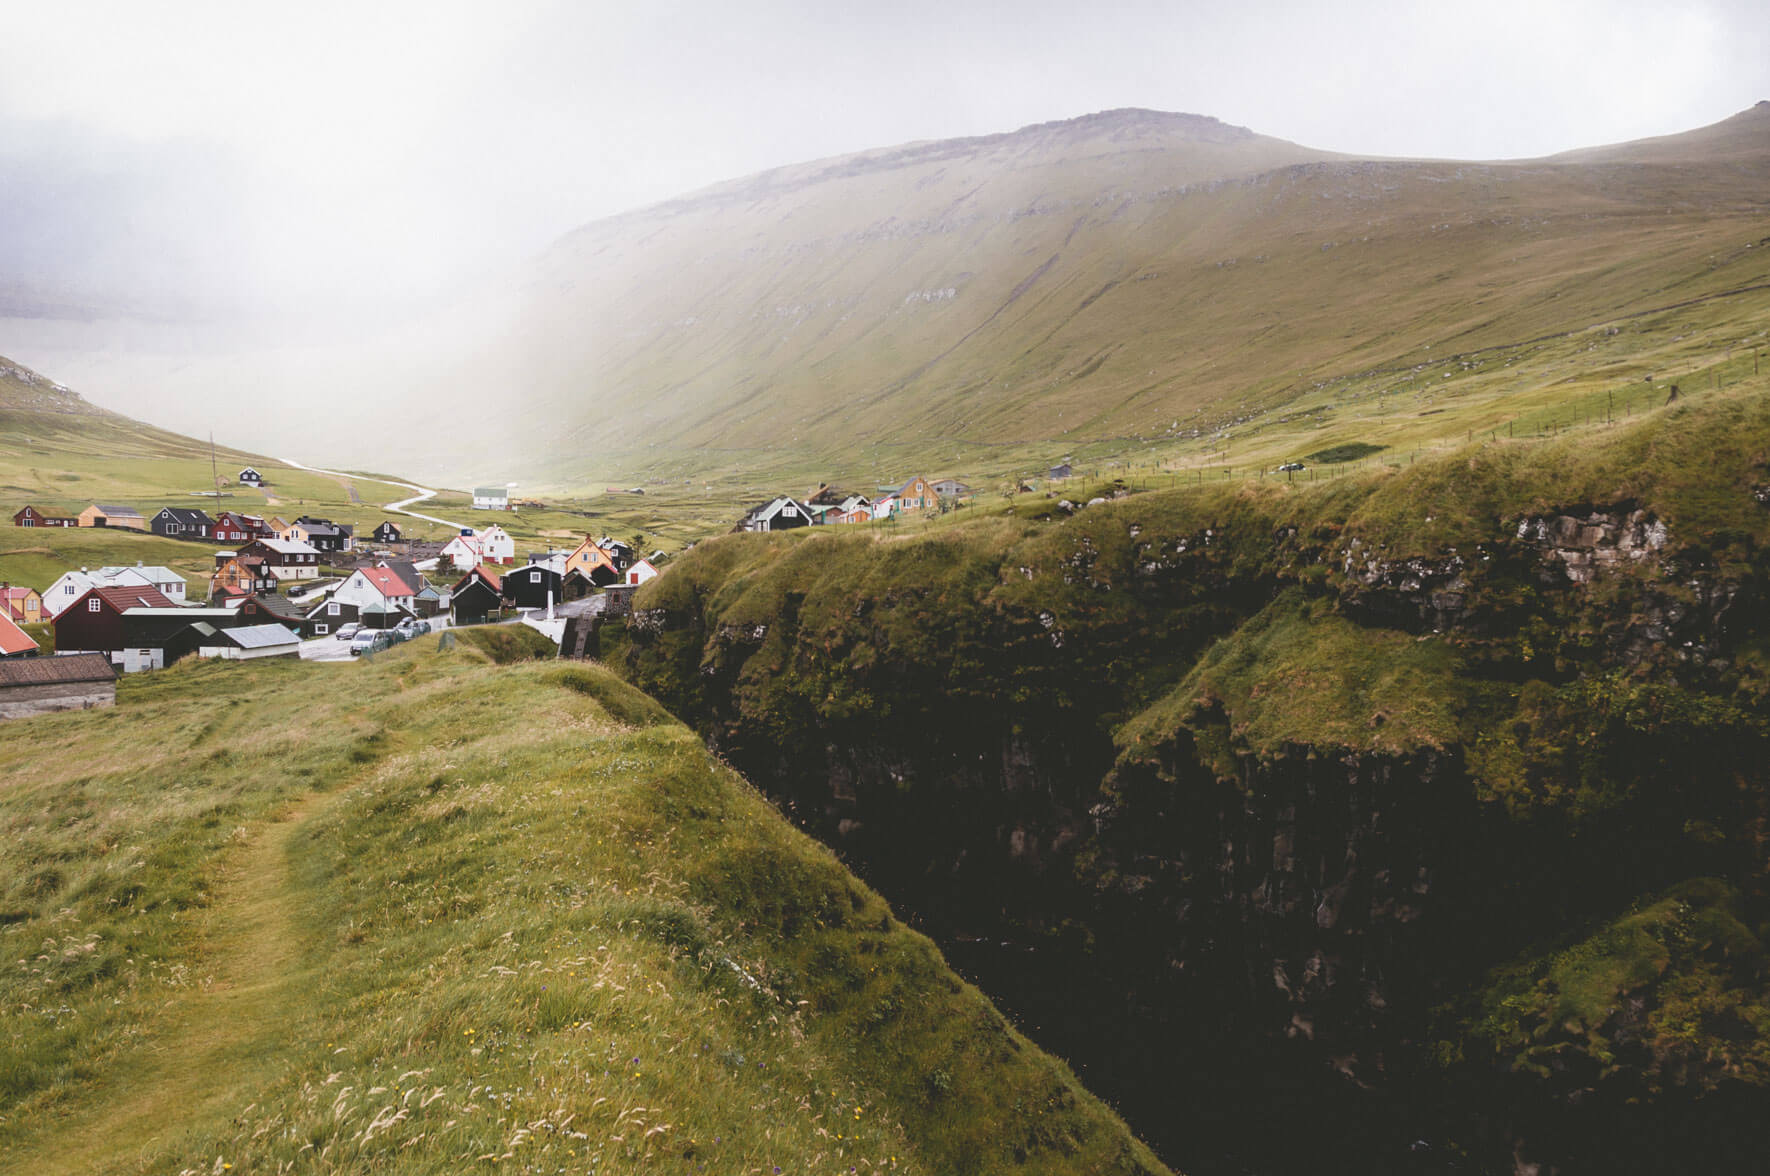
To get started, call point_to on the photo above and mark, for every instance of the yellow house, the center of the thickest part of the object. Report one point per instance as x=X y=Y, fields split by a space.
x=588 y=558
x=125 y=517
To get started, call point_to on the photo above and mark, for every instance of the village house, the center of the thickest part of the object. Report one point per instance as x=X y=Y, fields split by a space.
x=575 y=585
x=250 y=477
x=328 y=616
x=491 y=498
x=462 y=551
x=21 y=604
x=69 y=587
x=323 y=535
x=233 y=527
x=45 y=685
x=163 y=578
x=30 y=516
x=642 y=572
x=248 y=642
x=15 y=642
x=476 y=597
x=951 y=488
x=377 y=587
x=136 y=628
x=387 y=532
x=286 y=559
x=495 y=545
x=592 y=561
x=270 y=608
x=915 y=494
x=241 y=575
x=534 y=585
x=123 y=517
x=780 y=514
x=177 y=522
x=1060 y=472
x=275 y=526
x=621 y=553
x=856 y=508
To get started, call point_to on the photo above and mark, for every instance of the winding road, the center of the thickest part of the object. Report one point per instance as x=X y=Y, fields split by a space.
x=419 y=493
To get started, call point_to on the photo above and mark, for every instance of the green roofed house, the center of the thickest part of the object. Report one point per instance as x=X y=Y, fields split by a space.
x=491 y=498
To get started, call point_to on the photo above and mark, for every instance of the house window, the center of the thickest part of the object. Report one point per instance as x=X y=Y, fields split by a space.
x=29 y=521
x=68 y=588
x=92 y=605
x=534 y=577
x=321 y=629
x=332 y=609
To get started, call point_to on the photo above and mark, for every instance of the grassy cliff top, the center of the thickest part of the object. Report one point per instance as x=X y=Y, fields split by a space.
x=432 y=914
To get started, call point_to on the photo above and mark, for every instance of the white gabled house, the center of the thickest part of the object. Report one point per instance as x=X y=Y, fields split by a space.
x=372 y=587
x=469 y=549
x=640 y=572
x=462 y=551
x=495 y=546
x=165 y=579
x=71 y=586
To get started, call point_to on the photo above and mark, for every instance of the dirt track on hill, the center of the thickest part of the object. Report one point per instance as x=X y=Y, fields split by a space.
x=216 y=1041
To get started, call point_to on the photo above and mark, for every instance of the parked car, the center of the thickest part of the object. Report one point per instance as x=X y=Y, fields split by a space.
x=346 y=632
x=410 y=628
x=370 y=641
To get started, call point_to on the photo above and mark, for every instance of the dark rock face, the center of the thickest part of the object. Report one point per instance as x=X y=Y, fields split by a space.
x=1223 y=938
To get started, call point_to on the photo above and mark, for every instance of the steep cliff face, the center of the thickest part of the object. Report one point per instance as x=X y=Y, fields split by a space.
x=1377 y=808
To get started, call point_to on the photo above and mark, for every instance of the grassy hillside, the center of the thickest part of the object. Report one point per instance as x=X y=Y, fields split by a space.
x=1427 y=798
x=1122 y=283
x=435 y=914
x=60 y=454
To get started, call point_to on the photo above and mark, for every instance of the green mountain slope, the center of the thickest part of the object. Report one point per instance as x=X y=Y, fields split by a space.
x=433 y=915
x=1128 y=275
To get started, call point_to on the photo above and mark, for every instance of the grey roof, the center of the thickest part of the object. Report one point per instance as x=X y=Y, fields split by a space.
x=63 y=667
x=155 y=573
x=260 y=636
x=121 y=512
x=186 y=514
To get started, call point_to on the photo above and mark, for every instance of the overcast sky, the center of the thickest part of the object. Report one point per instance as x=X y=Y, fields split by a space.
x=409 y=144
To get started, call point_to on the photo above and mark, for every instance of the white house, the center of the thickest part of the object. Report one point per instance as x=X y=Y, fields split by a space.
x=375 y=587
x=641 y=571
x=165 y=579
x=495 y=546
x=491 y=498
x=462 y=551
x=71 y=586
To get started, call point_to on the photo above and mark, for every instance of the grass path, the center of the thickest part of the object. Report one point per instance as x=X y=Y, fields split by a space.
x=216 y=1043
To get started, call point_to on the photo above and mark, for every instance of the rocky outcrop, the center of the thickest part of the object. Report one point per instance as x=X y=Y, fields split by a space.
x=1060 y=759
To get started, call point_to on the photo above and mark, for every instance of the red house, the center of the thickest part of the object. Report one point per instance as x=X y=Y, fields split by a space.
x=95 y=620
x=233 y=527
x=30 y=516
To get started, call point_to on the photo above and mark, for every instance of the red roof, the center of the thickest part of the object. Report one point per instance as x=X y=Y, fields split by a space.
x=123 y=599
x=14 y=640
x=386 y=581
x=491 y=578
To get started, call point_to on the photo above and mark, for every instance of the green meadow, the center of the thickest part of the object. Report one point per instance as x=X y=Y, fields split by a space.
x=458 y=910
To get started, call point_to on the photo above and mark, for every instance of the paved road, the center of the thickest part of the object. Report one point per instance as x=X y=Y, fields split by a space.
x=419 y=493
x=328 y=648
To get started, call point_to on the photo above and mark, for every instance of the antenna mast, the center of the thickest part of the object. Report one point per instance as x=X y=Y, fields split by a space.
x=214 y=474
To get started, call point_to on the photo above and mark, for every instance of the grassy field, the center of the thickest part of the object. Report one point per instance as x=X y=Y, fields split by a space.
x=433 y=914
